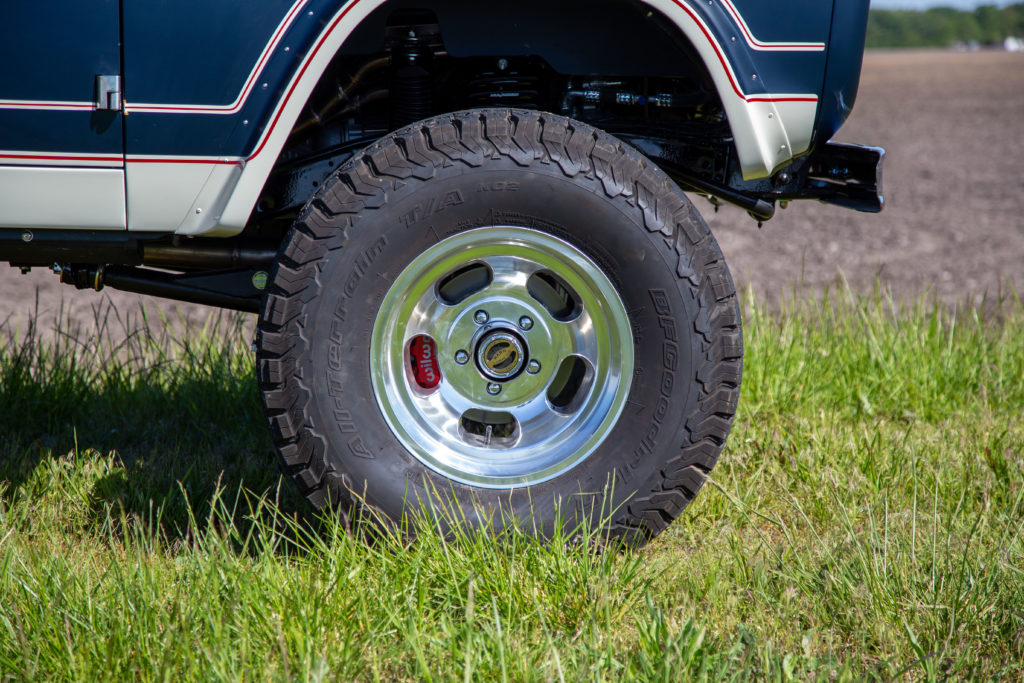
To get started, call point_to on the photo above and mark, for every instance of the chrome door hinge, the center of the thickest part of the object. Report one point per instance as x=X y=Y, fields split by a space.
x=108 y=93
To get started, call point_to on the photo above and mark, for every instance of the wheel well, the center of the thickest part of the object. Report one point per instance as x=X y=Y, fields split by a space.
x=595 y=37
x=619 y=65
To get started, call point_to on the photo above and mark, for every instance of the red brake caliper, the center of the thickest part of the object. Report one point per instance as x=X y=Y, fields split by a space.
x=423 y=356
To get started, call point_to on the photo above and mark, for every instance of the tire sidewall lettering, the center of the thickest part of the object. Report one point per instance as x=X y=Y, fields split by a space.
x=666 y=275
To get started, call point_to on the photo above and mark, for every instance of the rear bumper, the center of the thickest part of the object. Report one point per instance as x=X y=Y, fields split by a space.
x=835 y=173
x=846 y=175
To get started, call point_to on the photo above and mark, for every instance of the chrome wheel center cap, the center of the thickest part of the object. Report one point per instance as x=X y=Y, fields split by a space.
x=500 y=355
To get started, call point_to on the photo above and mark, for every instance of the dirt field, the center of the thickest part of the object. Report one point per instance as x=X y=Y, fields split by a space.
x=953 y=125
x=953 y=128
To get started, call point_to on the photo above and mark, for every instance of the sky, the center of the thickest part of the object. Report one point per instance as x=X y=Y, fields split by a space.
x=925 y=4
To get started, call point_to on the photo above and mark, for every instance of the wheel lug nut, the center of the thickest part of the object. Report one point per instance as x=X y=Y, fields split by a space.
x=481 y=317
x=525 y=322
x=461 y=357
x=533 y=367
x=493 y=388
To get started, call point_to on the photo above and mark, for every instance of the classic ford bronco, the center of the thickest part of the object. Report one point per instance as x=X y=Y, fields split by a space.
x=480 y=285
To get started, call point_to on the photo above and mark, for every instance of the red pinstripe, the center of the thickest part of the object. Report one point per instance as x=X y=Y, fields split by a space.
x=312 y=55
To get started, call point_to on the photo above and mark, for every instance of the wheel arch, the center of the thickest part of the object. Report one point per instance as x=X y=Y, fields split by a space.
x=768 y=128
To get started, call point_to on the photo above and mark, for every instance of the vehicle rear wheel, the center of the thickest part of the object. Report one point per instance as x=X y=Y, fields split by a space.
x=504 y=313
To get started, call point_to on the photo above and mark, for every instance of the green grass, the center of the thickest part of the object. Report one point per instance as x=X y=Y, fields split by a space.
x=864 y=522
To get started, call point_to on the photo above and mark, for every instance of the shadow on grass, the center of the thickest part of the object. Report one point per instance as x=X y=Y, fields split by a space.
x=140 y=417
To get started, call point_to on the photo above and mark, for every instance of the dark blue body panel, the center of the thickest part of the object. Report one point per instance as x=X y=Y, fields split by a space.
x=194 y=51
x=845 y=58
x=52 y=55
x=83 y=132
x=792 y=21
x=777 y=71
x=196 y=58
x=220 y=44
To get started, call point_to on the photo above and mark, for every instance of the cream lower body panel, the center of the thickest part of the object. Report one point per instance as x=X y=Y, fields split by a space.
x=186 y=198
x=771 y=134
x=47 y=197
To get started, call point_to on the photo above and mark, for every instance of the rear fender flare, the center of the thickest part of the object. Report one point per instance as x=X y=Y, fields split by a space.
x=768 y=128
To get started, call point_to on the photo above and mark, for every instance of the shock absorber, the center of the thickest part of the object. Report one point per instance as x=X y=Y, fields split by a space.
x=412 y=86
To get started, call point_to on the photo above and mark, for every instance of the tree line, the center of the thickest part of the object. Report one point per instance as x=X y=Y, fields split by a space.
x=944 y=26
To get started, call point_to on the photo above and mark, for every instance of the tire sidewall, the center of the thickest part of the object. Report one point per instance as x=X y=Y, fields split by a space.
x=417 y=215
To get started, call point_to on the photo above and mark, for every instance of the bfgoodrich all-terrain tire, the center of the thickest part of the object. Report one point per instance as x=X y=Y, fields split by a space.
x=506 y=313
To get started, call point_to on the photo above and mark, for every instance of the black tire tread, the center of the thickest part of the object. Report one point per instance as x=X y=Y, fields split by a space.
x=412 y=155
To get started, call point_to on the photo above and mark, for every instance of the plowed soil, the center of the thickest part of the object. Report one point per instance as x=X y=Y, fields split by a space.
x=953 y=127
